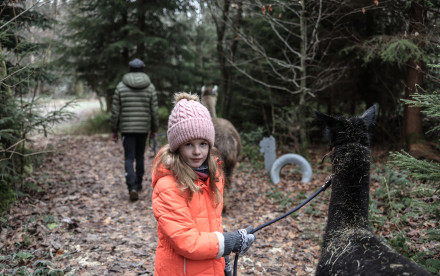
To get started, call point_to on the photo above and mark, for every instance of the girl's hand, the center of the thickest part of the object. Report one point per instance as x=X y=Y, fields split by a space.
x=238 y=241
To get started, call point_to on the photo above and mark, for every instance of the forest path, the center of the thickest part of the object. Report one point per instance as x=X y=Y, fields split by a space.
x=85 y=223
x=107 y=233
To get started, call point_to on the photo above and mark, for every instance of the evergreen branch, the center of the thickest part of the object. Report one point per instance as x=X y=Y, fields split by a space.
x=20 y=14
x=419 y=169
x=429 y=102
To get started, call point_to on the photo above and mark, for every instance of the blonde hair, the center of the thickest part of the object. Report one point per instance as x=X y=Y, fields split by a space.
x=185 y=176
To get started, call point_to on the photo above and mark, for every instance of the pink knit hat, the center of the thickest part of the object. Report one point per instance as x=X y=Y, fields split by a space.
x=189 y=120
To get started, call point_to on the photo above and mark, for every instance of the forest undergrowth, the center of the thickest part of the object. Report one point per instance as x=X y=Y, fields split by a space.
x=75 y=217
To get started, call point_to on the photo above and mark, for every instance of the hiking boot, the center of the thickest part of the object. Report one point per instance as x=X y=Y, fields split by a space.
x=134 y=195
x=139 y=184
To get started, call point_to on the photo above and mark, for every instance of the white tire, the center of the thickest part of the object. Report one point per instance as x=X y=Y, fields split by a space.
x=291 y=158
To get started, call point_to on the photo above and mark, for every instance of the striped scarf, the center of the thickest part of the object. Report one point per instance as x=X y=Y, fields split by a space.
x=202 y=171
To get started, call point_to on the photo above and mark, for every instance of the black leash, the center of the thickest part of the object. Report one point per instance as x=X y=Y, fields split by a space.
x=323 y=187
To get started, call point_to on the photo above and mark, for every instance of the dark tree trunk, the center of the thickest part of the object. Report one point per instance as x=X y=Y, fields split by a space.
x=109 y=100
x=223 y=54
x=125 y=58
x=220 y=25
x=412 y=124
x=141 y=18
x=228 y=95
x=4 y=74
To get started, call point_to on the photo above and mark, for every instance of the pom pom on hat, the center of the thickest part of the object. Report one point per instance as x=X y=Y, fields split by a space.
x=189 y=120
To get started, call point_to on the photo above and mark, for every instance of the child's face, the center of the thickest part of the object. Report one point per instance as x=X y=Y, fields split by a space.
x=194 y=152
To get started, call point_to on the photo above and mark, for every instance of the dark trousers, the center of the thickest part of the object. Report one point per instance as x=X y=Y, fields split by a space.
x=134 y=147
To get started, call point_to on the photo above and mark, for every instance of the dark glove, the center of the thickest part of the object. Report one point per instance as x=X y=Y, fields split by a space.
x=115 y=137
x=228 y=267
x=238 y=241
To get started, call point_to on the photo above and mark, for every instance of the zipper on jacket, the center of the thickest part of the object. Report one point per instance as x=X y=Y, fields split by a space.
x=184 y=266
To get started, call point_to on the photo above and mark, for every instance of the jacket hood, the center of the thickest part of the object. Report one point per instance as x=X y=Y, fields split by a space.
x=160 y=172
x=137 y=80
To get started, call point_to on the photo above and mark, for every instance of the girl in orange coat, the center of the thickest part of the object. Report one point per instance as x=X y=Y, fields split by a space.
x=187 y=197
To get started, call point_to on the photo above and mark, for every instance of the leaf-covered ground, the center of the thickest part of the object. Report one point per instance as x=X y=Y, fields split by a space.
x=83 y=222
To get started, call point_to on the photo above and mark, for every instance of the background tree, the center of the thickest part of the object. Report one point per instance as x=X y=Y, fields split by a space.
x=373 y=71
x=391 y=49
x=412 y=124
x=422 y=169
x=200 y=63
x=424 y=173
x=429 y=103
x=281 y=50
x=227 y=17
x=103 y=36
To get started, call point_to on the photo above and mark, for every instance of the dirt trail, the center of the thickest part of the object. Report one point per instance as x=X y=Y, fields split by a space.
x=84 y=223
x=107 y=233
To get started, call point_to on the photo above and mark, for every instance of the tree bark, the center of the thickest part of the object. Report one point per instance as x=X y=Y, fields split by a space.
x=233 y=49
x=109 y=100
x=141 y=17
x=3 y=75
x=108 y=93
x=413 y=132
x=302 y=104
x=412 y=124
x=223 y=55
x=79 y=88
x=220 y=25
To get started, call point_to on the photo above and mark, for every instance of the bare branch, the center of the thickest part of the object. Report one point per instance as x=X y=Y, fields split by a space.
x=24 y=155
x=13 y=73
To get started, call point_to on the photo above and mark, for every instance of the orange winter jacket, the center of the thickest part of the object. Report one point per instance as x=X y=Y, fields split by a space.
x=188 y=244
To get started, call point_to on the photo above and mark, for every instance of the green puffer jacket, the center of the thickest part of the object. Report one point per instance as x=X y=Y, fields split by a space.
x=134 y=107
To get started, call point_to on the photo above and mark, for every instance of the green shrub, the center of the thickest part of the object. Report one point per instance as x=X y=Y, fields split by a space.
x=251 y=147
x=97 y=124
x=19 y=119
x=7 y=196
x=22 y=256
x=164 y=113
x=401 y=202
x=283 y=201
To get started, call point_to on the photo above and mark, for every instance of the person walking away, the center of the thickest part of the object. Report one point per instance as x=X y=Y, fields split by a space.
x=187 y=199
x=134 y=114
